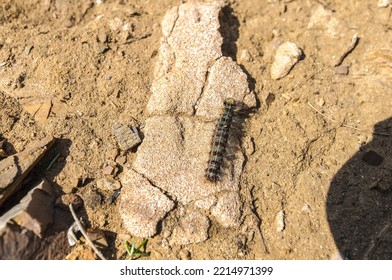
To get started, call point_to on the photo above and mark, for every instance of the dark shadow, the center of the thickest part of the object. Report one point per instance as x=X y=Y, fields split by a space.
x=7 y=147
x=111 y=252
x=359 y=201
x=229 y=29
x=41 y=170
x=24 y=244
x=229 y=25
x=54 y=160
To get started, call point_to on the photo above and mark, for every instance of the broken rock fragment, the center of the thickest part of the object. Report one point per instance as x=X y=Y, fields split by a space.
x=107 y=183
x=127 y=137
x=228 y=209
x=286 y=56
x=193 y=228
x=372 y=158
x=192 y=79
x=142 y=205
x=69 y=198
x=17 y=243
x=14 y=168
x=34 y=212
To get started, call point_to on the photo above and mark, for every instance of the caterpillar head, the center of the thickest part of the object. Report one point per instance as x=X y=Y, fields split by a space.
x=229 y=101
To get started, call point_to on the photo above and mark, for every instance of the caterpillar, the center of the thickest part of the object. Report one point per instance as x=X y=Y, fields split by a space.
x=220 y=140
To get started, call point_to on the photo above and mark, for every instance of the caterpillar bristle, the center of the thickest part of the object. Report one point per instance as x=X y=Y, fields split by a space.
x=220 y=141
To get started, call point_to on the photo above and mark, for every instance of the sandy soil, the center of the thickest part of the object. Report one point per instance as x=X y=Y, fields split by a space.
x=306 y=177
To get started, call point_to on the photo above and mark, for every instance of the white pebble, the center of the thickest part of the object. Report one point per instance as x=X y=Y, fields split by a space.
x=245 y=56
x=279 y=220
x=383 y=3
x=306 y=209
x=286 y=56
x=337 y=256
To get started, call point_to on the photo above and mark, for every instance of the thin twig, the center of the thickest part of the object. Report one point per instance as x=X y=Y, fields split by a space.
x=83 y=231
x=346 y=125
x=376 y=241
x=354 y=42
x=326 y=5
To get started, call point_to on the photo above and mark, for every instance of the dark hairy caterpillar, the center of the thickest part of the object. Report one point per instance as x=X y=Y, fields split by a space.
x=220 y=141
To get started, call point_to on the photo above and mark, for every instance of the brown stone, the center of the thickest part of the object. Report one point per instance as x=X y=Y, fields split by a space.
x=372 y=158
x=64 y=201
x=34 y=212
x=127 y=137
x=14 y=169
x=107 y=183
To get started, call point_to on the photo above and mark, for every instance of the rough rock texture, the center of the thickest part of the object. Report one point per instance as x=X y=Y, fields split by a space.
x=127 y=137
x=17 y=243
x=14 y=168
x=193 y=228
x=228 y=209
x=34 y=212
x=286 y=56
x=192 y=79
x=143 y=206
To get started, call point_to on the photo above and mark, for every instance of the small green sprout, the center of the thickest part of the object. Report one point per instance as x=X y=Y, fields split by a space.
x=135 y=252
x=53 y=162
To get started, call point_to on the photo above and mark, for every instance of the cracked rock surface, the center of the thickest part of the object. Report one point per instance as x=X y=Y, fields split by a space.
x=192 y=79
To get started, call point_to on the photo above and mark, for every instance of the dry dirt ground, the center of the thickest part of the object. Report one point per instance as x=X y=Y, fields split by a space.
x=307 y=177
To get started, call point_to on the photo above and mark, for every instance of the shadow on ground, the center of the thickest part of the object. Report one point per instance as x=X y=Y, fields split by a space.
x=359 y=202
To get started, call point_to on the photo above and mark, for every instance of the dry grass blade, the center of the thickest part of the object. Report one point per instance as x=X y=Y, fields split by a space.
x=346 y=125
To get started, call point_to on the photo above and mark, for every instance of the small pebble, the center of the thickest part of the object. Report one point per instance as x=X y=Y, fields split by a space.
x=372 y=158
x=245 y=56
x=286 y=56
x=249 y=146
x=381 y=186
x=109 y=168
x=306 y=209
x=102 y=48
x=383 y=3
x=97 y=236
x=184 y=254
x=127 y=137
x=279 y=220
x=121 y=160
x=102 y=37
x=320 y=102
x=362 y=139
x=166 y=233
x=341 y=70
x=69 y=22
x=28 y=49
x=64 y=201
x=108 y=184
x=268 y=98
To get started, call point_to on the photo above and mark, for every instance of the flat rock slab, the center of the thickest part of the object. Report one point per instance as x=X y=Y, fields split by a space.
x=14 y=168
x=34 y=212
x=144 y=205
x=192 y=228
x=192 y=80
